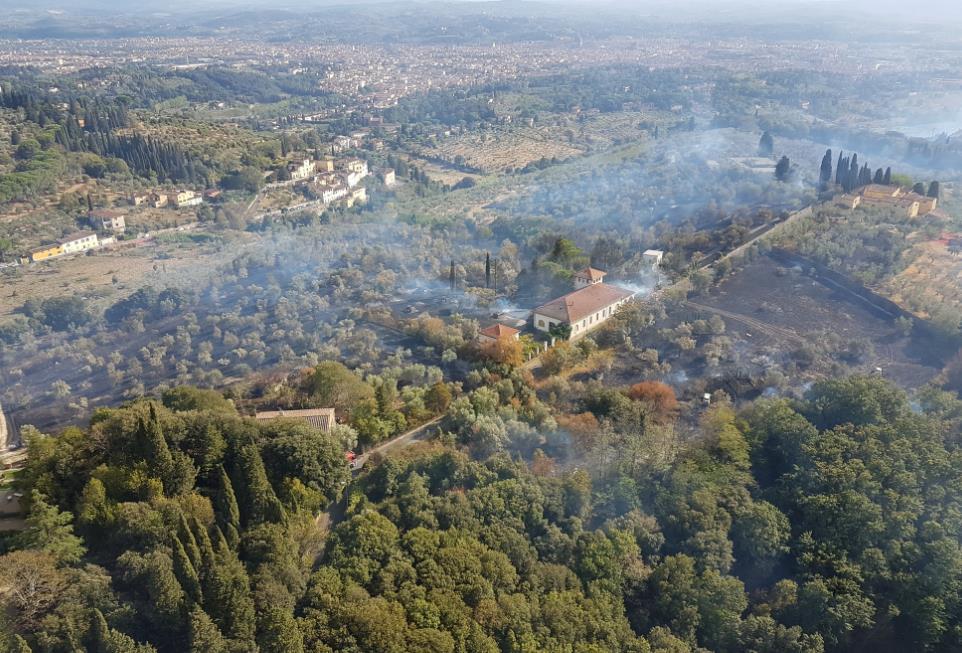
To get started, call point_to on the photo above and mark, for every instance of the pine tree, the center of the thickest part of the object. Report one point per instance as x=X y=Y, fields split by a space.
x=51 y=531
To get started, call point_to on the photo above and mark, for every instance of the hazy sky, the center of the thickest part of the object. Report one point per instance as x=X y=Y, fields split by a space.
x=921 y=10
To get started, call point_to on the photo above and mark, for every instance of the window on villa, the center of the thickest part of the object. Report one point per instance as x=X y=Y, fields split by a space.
x=540 y=323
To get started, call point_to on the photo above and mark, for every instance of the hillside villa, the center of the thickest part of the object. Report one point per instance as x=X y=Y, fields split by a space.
x=585 y=309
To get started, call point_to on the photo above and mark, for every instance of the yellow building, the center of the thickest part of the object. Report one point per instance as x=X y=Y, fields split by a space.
x=45 y=252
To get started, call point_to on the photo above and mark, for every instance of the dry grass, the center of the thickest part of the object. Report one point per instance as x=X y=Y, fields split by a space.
x=934 y=278
x=93 y=277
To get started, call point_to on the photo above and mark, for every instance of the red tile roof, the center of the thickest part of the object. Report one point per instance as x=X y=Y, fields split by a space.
x=584 y=302
x=593 y=274
x=498 y=331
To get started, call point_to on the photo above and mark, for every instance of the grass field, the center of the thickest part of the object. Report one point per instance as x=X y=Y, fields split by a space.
x=108 y=275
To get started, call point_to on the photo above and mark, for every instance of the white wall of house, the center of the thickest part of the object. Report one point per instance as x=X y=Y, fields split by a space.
x=583 y=326
x=80 y=245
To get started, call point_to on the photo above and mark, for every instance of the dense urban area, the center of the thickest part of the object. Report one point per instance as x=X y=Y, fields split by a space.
x=480 y=327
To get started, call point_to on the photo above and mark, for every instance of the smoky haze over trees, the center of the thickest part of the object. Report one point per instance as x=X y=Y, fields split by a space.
x=353 y=209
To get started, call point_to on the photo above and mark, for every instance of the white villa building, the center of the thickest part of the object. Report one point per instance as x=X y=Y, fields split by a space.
x=585 y=309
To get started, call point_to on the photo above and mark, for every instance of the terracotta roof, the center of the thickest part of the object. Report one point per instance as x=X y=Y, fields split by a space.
x=323 y=418
x=592 y=274
x=584 y=302
x=498 y=331
x=77 y=236
x=881 y=191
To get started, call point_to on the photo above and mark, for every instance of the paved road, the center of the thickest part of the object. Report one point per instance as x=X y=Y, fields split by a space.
x=335 y=513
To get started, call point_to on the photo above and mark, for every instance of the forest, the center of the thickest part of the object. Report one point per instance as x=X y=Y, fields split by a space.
x=823 y=524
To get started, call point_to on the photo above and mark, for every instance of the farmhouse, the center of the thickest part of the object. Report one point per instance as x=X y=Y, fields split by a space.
x=320 y=418
x=45 y=251
x=79 y=242
x=388 y=177
x=497 y=332
x=109 y=221
x=912 y=204
x=184 y=198
x=583 y=310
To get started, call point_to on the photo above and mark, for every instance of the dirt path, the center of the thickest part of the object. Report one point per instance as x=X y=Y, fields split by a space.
x=758 y=325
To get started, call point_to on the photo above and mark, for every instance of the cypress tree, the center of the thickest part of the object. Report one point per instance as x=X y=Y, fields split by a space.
x=154 y=450
x=853 y=172
x=257 y=499
x=887 y=179
x=783 y=168
x=825 y=173
x=934 y=190
x=229 y=602
x=879 y=177
x=185 y=572
x=186 y=538
x=487 y=269
x=203 y=634
x=278 y=632
x=228 y=512
x=766 y=144
x=919 y=188
x=452 y=277
x=839 y=167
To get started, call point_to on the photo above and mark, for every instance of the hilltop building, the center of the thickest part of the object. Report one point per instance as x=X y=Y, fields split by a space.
x=320 y=418
x=302 y=170
x=585 y=309
x=893 y=197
